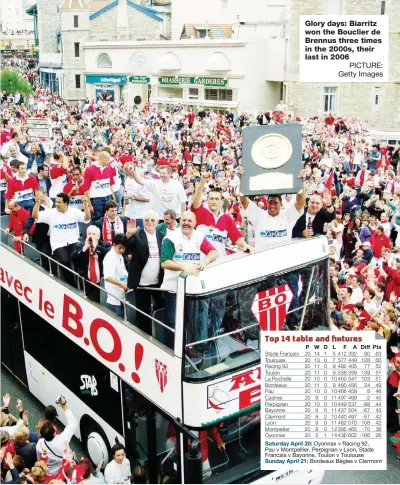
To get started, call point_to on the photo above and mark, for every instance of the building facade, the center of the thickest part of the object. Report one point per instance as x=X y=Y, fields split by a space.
x=16 y=28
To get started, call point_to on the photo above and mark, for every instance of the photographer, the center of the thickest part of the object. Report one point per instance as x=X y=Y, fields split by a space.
x=55 y=443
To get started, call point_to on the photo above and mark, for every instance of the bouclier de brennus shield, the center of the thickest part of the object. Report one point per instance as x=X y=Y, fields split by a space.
x=161 y=374
x=270 y=307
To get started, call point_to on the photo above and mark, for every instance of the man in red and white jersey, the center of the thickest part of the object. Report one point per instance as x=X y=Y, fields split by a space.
x=98 y=184
x=216 y=224
x=114 y=165
x=75 y=188
x=6 y=133
x=22 y=188
x=58 y=172
x=5 y=175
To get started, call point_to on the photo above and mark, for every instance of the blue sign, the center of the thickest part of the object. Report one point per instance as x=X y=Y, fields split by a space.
x=92 y=79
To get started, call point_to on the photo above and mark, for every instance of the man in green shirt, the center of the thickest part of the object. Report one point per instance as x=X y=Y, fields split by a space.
x=169 y=224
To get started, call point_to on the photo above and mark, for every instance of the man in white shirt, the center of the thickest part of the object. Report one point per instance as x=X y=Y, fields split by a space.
x=115 y=275
x=273 y=226
x=63 y=229
x=168 y=193
x=357 y=295
x=55 y=443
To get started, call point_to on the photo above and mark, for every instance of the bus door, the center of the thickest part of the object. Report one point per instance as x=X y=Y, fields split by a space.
x=154 y=440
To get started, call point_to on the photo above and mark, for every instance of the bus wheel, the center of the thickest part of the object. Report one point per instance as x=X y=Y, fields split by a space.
x=96 y=442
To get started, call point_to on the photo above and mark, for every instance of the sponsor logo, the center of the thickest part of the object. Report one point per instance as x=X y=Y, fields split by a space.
x=89 y=385
x=277 y=233
x=216 y=237
x=102 y=185
x=71 y=225
x=191 y=257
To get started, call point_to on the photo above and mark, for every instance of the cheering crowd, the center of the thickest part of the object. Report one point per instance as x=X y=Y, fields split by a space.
x=125 y=195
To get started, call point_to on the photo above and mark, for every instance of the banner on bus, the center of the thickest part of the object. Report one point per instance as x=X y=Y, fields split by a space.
x=142 y=364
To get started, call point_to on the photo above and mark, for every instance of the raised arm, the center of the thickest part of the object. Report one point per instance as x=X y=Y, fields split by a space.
x=198 y=195
x=139 y=179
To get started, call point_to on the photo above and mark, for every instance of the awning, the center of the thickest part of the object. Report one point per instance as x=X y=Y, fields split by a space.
x=32 y=10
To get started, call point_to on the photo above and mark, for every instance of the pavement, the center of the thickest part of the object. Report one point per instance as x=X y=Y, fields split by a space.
x=18 y=391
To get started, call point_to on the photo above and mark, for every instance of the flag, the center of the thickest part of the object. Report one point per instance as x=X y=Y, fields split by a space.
x=329 y=181
x=270 y=307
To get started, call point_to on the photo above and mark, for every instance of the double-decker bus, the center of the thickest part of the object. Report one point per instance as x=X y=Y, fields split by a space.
x=122 y=382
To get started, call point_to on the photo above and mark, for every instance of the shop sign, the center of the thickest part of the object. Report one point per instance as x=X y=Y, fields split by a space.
x=139 y=79
x=203 y=81
x=92 y=79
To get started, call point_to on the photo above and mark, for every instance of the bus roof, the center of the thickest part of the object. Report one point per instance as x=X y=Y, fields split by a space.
x=242 y=268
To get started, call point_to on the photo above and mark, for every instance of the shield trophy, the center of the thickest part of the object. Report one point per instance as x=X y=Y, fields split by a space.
x=272 y=159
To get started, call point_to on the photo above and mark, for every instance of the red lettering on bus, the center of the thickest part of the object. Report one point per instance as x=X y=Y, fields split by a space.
x=249 y=397
x=68 y=316
x=49 y=309
x=116 y=351
x=18 y=287
x=242 y=380
x=26 y=291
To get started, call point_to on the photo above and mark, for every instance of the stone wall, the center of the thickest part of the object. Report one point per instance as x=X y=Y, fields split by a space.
x=49 y=22
x=104 y=27
x=142 y=27
x=352 y=99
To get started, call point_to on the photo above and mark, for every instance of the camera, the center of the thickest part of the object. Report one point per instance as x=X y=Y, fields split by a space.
x=58 y=399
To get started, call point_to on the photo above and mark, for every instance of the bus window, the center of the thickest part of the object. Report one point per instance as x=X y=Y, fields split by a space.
x=12 y=352
x=151 y=438
x=231 y=449
x=224 y=328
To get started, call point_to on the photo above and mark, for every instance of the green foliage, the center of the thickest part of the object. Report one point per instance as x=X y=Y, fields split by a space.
x=11 y=82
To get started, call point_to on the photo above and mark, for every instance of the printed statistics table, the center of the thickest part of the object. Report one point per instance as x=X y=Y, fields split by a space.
x=324 y=400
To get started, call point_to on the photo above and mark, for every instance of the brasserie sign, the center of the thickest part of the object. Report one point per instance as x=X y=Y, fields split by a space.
x=203 y=81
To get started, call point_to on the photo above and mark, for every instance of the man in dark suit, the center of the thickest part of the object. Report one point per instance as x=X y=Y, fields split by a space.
x=111 y=224
x=43 y=177
x=311 y=223
x=88 y=262
x=144 y=246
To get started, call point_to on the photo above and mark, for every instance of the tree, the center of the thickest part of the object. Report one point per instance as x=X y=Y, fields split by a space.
x=11 y=82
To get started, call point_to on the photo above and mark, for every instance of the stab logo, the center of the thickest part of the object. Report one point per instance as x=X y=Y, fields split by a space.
x=161 y=374
x=89 y=385
x=270 y=307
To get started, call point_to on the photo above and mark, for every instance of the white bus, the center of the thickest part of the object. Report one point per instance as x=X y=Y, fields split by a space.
x=123 y=383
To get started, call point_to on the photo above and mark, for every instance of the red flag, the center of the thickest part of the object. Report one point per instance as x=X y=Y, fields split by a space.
x=329 y=181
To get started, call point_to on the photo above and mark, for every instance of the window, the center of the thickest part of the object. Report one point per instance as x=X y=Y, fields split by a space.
x=329 y=99
x=232 y=320
x=218 y=94
x=383 y=6
x=104 y=61
x=193 y=93
x=201 y=33
x=148 y=93
x=76 y=21
x=76 y=46
x=77 y=81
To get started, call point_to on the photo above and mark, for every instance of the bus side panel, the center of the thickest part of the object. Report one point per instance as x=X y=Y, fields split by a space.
x=12 y=348
x=312 y=477
x=45 y=386
x=83 y=375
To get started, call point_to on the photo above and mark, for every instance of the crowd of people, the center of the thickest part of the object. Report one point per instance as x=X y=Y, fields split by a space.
x=158 y=192
x=44 y=455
